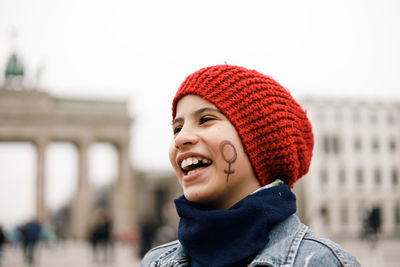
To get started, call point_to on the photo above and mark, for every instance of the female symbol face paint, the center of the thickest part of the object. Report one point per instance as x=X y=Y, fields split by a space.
x=204 y=142
x=229 y=154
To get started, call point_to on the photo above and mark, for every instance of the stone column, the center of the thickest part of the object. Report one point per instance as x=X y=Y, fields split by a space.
x=123 y=198
x=81 y=203
x=40 y=202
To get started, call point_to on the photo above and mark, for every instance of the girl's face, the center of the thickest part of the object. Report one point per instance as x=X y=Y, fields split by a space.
x=208 y=157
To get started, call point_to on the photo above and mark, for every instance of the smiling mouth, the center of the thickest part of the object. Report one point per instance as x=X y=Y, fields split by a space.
x=191 y=164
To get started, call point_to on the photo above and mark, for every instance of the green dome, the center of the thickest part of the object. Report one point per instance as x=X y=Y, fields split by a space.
x=14 y=67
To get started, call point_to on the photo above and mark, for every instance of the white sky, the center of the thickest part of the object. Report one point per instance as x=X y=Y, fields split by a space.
x=142 y=50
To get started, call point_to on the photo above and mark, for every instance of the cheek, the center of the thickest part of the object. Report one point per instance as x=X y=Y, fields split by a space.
x=229 y=149
x=172 y=154
x=172 y=158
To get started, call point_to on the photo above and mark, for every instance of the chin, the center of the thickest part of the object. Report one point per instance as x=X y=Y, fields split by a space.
x=194 y=196
x=191 y=196
x=198 y=198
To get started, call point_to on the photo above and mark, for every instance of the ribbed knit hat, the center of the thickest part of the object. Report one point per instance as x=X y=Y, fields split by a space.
x=274 y=129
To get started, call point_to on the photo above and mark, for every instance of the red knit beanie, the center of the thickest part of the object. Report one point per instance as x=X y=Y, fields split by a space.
x=274 y=129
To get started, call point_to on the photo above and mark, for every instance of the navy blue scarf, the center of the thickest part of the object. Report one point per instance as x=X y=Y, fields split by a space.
x=216 y=238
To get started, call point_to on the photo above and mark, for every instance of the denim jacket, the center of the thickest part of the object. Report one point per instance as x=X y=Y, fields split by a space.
x=291 y=244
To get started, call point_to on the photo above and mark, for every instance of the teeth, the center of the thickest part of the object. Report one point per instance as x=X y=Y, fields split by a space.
x=185 y=163
x=193 y=160
x=192 y=171
x=206 y=161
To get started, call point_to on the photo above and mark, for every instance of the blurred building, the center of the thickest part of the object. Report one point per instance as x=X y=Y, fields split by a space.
x=355 y=168
x=134 y=200
x=156 y=195
x=28 y=114
x=158 y=219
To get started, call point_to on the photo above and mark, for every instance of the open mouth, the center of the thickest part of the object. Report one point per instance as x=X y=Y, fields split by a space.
x=191 y=164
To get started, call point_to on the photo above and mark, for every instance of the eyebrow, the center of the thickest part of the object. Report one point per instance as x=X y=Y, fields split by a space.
x=197 y=113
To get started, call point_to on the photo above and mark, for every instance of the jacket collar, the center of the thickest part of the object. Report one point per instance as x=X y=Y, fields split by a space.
x=281 y=249
x=284 y=242
x=175 y=255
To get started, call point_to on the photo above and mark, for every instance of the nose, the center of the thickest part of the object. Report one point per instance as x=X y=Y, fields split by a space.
x=185 y=138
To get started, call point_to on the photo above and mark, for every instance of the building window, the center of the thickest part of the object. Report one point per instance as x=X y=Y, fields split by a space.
x=325 y=215
x=392 y=145
x=394 y=177
x=360 y=176
x=390 y=118
x=336 y=145
x=331 y=144
x=342 y=177
x=397 y=214
x=326 y=144
x=377 y=177
x=324 y=177
x=357 y=144
x=375 y=144
x=344 y=216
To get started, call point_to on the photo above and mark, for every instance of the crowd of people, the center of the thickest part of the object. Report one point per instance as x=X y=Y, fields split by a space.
x=28 y=236
x=100 y=238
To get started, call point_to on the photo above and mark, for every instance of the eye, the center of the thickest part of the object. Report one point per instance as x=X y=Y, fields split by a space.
x=205 y=119
x=177 y=129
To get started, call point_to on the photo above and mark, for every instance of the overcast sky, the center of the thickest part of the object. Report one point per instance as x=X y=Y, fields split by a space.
x=142 y=50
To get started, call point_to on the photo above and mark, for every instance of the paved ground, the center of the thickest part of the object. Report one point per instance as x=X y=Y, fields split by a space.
x=70 y=254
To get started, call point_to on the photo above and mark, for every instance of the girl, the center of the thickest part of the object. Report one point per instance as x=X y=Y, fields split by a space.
x=240 y=143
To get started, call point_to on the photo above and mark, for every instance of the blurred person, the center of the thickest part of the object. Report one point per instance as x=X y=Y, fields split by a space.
x=240 y=142
x=101 y=238
x=3 y=241
x=371 y=225
x=14 y=236
x=374 y=220
x=148 y=230
x=30 y=235
x=48 y=235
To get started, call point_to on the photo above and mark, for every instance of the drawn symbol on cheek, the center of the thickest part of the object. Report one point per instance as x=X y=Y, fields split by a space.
x=229 y=154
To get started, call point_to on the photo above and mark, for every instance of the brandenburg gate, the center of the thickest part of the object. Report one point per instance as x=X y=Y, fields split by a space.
x=35 y=116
